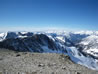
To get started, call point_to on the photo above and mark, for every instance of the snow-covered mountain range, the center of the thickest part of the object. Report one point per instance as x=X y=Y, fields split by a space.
x=82 y=47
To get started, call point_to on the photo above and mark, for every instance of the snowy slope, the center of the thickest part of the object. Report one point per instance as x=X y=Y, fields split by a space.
x=79 y=58
x=3 y=36
x=90 y=45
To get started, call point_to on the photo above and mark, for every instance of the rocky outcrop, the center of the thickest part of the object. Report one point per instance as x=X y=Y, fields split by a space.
x=12 y=62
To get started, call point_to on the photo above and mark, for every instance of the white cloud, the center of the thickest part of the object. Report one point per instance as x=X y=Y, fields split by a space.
x=4 y=29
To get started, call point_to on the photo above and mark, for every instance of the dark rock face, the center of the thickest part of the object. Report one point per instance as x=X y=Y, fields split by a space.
x=32 y=43
x=75 y=38
x=11 y=35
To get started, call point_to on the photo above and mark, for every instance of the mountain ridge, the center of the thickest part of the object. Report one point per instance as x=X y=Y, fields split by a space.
x=70 y=43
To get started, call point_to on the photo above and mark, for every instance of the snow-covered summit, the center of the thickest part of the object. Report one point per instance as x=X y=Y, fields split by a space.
x=6 y=35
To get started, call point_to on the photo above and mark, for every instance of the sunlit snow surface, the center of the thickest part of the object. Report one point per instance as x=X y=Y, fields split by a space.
x=77 y=57
x=91 y=41
x=3 y=36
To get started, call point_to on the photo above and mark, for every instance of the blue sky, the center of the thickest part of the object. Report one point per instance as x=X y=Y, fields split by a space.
x=48 y=14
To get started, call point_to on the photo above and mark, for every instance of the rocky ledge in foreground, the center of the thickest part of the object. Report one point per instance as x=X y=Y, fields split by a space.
x=12 y=62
